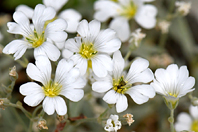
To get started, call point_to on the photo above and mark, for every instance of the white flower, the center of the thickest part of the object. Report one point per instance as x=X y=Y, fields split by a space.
x=67 y=82
x=113 y=124
x=172 y=82
x=70 y=15
x=92 y=48
x=136 y=37
x=37 y=36
x=123 y=11
x=183 y=7
x=186 y=121
x=120 y=83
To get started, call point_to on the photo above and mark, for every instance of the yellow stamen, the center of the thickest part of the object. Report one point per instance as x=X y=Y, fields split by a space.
x=194 y=126
x=120 y=86
x=129 y=10
x=87 y=51
x=36 y=40
x=174 y=95
x=52 y=89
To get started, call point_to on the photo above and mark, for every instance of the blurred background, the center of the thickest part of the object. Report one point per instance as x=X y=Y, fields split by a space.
x=180 y=46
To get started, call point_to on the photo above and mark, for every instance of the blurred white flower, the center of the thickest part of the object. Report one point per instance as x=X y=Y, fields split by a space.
x=67 y=82
x=164 y=26
x=186 y=121
x=92 y=48
x=136 y=37
x=37 y=36
x=123 y=11
x=173 y=82
x=113 y=124
x=183 y=7
x=70 y=15
x=118 y=84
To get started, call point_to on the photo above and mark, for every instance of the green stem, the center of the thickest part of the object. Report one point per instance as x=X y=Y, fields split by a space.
x=171 y=120
x=127 y=55
x=101 y=115
x=84 y=120
x=30 y=126
x=68 y=108
x=163 y=38
x=19 y=119
x=172 y=6
x=36 y=110
x=28 y=114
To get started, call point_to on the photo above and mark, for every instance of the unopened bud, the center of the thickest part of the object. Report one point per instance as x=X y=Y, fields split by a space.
x=164 y=26
x=129 y=118
x=183 y=7
x=13 y=71
x=42 y=124
x=3 y=102
x=194 y=101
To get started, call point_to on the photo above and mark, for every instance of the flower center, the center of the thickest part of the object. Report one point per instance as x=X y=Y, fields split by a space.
x=129 y=10
x=120 y=86
x=36 y=40
x=194 y=126
x=114 y=0
x=87 y=51
x=174 y=95
x=52 y=89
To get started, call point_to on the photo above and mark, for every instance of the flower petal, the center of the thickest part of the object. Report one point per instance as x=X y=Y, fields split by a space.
x=111 y=97
x=30 y=88
x=103 y=37
x=34 y=99
x=26 y=10
x=102 y=14
x=118 y=65
x=73 y=94
x=18 y=47
x=137 y=97
x=145 y=77
x=49 y=105
x=183 y=122
x=146 y=16
x=24 y=23
x=49 y=50
x=60 y=105
x=122 y=103
x=83 y=28
x=42 y=14
x=101 y=64
x=143 y=89
x=121 y=26
x=72 y=17
x=56 y=4
x=101 y=86
x=63 y=69
x=80 y=62
x=194 y=111
x=137 y=67
x=41 y=72
x=55 y=30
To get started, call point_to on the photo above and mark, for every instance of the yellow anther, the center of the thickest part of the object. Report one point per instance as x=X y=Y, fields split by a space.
x=52 y=89
x=87 y=51
x=128 y=11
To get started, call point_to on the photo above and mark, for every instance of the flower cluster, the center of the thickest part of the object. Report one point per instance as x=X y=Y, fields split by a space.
x=92 y=58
